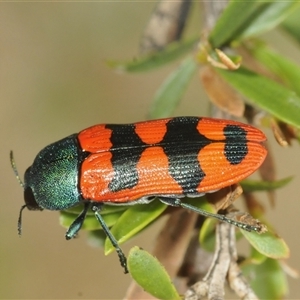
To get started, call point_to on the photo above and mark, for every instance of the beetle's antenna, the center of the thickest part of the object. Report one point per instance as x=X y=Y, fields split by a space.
x=20 y=220
x=14 y=167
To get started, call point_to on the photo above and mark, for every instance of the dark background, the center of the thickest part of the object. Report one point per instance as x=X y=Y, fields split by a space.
x=54 y=82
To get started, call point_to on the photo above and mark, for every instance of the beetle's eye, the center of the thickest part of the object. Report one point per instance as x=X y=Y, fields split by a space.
x=30 y=200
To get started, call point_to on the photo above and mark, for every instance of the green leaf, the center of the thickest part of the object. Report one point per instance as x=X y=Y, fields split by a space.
x=288 y=71
x=237 y=16
x=268 y=244
x=292 y=26
x=90 y=222
x=260 y=185
x=207 y=235
x=279 y=101
x=256 y=257
x=207 y=232
x=242 y=19
x=133 y=220
x=151 y=275
x=172 y=90
x=107 y=209
x=200 y=202
x=269 y=18
x=268 y=280
x=155 y=60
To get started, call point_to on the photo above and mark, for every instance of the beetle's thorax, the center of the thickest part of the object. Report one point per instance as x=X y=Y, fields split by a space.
x=51 y=182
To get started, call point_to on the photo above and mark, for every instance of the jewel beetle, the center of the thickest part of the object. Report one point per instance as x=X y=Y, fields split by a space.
x=125 y=164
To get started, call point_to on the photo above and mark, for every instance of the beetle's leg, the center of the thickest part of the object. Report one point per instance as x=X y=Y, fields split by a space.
x=77 y=224
x=96 y=209
x=178 y=203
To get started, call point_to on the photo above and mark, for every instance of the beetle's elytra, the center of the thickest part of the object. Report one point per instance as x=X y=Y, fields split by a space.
x=134 y=163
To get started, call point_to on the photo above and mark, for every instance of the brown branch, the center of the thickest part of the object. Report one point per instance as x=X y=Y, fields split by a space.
x=238 y=283
x=212 y=10
x=224 y=266
x=165 y=25
x=212 y=285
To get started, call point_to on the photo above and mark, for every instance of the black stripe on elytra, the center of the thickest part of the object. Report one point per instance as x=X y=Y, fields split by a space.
x=236 y=147
x=126 y=150
x=182 y=143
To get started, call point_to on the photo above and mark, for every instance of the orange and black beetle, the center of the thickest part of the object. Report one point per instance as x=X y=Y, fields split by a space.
x=126 y=164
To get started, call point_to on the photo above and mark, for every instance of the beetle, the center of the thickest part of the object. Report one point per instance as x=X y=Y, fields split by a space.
x=126 y=164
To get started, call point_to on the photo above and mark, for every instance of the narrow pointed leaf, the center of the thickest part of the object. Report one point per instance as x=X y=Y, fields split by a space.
x=171 y=91
x=260 y=185
x=269 y=18
x=133 y=220
x=155 y=60
x=288 y=71
x=207 y=235
x=237 y=16
x=292 y=25
x=242 y=19
x=147 y=271
x=279 y=101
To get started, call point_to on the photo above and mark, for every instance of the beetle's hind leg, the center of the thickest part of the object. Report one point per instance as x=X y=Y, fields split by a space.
x=258 y=227
x=96 y=209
